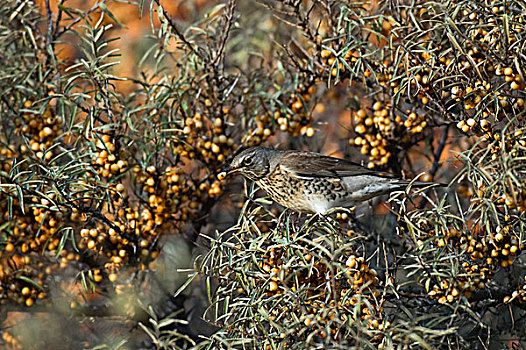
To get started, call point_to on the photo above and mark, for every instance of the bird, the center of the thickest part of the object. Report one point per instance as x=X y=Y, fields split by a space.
x=309 y=182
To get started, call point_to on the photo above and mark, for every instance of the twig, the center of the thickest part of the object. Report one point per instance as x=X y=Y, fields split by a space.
x=58 y=19
x=49 y=22
x=436 y=160
x=76 y=20
x=179 y=34
x=218 y=60
x=440 y=149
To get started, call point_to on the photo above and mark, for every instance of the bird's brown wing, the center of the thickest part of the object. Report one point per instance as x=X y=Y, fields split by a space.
x=310 y=164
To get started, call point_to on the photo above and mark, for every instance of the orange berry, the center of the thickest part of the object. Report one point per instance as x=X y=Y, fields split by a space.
x=9 y=247
x=273 y=286
x=324 y=54
x=112 y=277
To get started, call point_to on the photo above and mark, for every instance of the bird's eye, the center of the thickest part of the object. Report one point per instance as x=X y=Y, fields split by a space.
x=247 y=161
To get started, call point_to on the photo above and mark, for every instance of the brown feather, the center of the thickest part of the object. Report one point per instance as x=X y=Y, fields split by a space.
x=310 y=164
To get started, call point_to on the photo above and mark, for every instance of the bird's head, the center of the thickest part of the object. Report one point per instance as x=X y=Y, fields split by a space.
x=253 y=163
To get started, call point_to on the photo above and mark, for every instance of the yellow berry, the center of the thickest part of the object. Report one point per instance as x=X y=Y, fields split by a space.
x=273 y=286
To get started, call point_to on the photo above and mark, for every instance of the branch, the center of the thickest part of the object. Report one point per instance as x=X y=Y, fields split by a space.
x=49 y=22
x=179 y=34
x=75 y=21
x=229 y=20
x=440 y=149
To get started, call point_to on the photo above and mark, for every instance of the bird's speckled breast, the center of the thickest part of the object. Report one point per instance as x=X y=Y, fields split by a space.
x=316 y=194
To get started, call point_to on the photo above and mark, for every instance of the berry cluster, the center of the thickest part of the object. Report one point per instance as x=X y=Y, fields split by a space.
x=383 y=129
x=106 y=159
x=205 y=136
x=294 y=118
x=40 y=129
x=311 y=287
x=377 y=132
x=481 y=253
x=34 y=223
x=519 y=294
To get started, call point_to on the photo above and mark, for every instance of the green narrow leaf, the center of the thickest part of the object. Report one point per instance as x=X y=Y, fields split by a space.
x=185 y=284
x=41 y=224
x=62 y=242
x=108 y=12
x=20 y=198
x=29 y=280
x=141 y=8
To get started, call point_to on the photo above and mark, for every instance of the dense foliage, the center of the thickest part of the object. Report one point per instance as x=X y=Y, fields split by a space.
x=111 y=207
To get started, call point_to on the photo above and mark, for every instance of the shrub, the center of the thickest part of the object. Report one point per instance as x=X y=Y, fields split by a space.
x=100 y=170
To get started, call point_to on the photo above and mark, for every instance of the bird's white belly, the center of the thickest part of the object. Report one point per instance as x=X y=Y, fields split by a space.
x=316 y=203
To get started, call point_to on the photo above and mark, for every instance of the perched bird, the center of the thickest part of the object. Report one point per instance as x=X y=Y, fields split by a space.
x=311 y=182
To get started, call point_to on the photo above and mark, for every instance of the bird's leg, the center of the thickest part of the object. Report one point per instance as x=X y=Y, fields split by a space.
x=313 y=218
x=287 y=221
x=324 y=217
x=280 y=218
x=340 y=210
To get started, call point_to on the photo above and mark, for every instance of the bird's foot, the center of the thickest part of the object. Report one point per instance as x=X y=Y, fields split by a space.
x=334 y=218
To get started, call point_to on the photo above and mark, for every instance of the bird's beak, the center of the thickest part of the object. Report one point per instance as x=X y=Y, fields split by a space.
x=226 y=172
